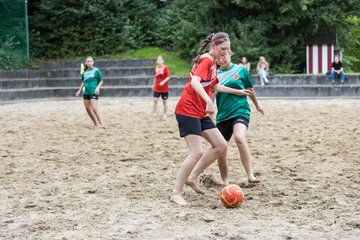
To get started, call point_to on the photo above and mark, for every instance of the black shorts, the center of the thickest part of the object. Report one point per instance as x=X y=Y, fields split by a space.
x=190 y=125
x=164 y=95
x=91 y=96
x=227 y=127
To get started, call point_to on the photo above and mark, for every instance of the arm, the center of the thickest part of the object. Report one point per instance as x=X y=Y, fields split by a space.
x=332 y=67
x=255 y=101
x=196 y=85
x=97 y=90
x=162 y=83
x=153 y=86
x=80 y=88
x=220 y=88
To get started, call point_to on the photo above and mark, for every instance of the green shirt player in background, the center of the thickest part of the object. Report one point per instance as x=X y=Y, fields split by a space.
x=234 y=113
x=92 y=81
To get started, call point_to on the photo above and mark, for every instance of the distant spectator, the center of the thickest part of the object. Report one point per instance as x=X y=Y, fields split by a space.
x=337 y=70
x=161 y=84
x=244 y=62
x=263 y=70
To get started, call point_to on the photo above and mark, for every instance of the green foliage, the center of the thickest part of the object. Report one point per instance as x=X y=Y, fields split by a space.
x=274 y=29
x=66 y=28
x=350 y=44
x=11 y=56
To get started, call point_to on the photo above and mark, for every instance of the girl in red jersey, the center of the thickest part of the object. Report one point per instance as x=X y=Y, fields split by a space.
x=161 y=84
x=192 y=115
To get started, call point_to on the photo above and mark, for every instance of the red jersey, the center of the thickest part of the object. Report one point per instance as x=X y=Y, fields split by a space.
x=161 y=72
x=190 y=103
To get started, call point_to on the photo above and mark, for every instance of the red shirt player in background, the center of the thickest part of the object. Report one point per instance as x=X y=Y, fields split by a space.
x=192 y=115
x=161 y=84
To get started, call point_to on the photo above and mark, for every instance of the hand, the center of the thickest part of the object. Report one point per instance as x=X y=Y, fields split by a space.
x=77 y=93
x=210 y=108
x=260 y=110
x=245 y=92
x=97 y=90
x=161 y=83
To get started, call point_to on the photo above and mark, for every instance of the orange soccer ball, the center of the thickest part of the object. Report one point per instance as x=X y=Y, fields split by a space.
x=232 y=196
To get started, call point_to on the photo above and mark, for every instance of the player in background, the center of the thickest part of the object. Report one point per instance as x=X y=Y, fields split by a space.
x=161 y=85
x=92 y=81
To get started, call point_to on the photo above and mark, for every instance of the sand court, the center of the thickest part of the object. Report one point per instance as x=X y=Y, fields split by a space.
x=61 y=179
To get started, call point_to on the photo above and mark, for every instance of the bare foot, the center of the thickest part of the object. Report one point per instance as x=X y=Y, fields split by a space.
x=178 y=199
x=225 y=182
x=253 y=180
x=194 y=185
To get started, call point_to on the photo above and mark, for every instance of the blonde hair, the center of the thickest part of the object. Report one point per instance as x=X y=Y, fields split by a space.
x=262 y=60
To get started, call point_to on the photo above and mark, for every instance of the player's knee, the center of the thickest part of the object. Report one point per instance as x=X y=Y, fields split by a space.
x=221 y=148
x=240 y=140
x=197 y=153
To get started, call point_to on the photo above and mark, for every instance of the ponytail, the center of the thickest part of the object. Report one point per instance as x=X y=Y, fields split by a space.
x=203 y=44
x=216 y=38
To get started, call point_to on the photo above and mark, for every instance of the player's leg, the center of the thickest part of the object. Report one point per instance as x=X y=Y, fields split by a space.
x=190 y=129
x=89 y=110
x=244 y=150
x=95 y=109
x=165 y=97
x=226 y=130
x=156 y=101
x=218 y=148
x=195 y=152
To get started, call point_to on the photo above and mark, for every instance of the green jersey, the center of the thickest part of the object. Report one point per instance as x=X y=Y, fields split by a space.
x=91 y=79
x=230 y=105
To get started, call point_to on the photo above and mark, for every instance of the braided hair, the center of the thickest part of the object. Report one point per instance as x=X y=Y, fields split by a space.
x=216 y=38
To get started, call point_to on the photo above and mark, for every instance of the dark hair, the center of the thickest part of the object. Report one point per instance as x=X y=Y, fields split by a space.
x=85 y=66
x=216 y=38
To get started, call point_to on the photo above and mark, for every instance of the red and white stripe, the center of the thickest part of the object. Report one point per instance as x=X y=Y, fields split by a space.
x=319 y=58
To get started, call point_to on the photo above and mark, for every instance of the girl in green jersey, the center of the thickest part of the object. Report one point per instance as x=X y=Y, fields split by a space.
x=234 y=113
x=92 y=81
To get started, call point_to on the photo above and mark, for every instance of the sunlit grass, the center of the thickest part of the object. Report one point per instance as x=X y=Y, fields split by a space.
x=178 y=66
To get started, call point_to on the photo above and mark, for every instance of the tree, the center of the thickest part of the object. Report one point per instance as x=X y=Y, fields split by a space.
x=272 y=28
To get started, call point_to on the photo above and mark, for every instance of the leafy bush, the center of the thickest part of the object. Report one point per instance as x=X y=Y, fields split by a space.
x=10 y=56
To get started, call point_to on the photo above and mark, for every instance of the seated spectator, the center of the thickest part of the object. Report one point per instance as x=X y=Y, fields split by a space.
x=244 y=62
x=263 y=70
x=337 y=70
